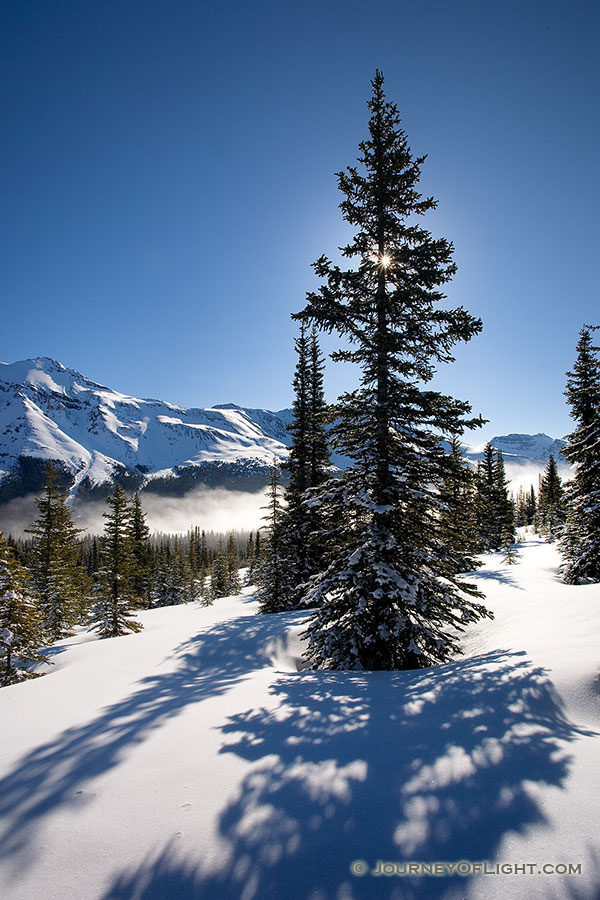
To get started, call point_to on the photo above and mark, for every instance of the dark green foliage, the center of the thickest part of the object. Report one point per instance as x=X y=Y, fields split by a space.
x=308 y=466
x=233 y=566
x=495 y=509
x=551 y=513
x=457 y=517
x=21 y=628
x=140 y=539
x=386 y=596
x=219 y=579
x=59 y=582
x=580 y=543
x=112 y=614
x=274 y=581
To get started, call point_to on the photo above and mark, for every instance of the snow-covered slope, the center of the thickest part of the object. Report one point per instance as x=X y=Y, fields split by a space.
x=48 y=411
x=196 y=761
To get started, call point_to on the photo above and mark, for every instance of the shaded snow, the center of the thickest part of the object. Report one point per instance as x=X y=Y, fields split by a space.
x=194 y=760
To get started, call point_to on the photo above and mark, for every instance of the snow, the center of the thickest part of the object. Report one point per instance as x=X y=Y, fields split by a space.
x=52 y=412
x=197 y=759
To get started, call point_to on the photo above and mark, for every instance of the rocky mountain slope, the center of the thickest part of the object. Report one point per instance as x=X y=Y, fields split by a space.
x=94 y=433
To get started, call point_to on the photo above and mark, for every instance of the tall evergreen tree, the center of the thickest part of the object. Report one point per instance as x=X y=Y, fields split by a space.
x=21 y=630
x=580 y=544
x=233 y=566
x=59 y=582
x=504 y=505
x=307 y=463
x=457 y=517
x=112 y=614
x=274 y=582
x=219 y=579
x=140 y=538
x=387 y=598
x=495 y=509
x=552 y=511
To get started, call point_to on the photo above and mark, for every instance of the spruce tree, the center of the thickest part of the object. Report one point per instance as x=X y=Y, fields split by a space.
x=233 y=566
x=552 y=512
x=112 y=614
x=457 y=517
x=504 y=505
x=21 y=627
x=219 y=579
x=274 y=581
x=59 y=582
x=580 y=544
x=307 y=464
x=140 y=537
x=387 y=598
x=495 y=509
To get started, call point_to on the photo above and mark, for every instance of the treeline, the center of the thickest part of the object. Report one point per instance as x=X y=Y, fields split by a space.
x=57 y=578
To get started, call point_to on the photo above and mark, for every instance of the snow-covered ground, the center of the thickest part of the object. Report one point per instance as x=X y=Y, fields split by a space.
x=194 y=760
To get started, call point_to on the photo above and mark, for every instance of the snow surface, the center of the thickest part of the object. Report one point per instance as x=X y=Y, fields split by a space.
x=197 y=760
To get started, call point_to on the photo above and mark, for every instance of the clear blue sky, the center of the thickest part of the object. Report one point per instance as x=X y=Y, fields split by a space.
x=168 y=177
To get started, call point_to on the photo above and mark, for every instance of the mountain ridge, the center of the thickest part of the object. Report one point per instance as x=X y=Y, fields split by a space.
x=95 y=434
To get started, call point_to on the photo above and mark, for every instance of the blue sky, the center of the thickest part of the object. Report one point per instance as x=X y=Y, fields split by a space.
x=168 y=178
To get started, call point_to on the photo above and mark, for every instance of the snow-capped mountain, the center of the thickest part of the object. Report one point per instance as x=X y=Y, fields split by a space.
x=524 y=447
x=51 y=412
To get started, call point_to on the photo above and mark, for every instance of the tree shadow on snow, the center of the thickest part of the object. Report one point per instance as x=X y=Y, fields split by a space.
x=53 y=776
x=430 y=765
x=503 y=577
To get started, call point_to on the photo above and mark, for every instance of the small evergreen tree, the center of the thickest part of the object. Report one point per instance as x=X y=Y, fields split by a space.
x=233 y=566
x=59 y=582
x=21 y=630
x=220 y=580
x=112 y=614
x=510 y=551
x=580 y=543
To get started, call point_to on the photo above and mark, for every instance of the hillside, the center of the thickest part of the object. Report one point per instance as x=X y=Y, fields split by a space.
x=194 y=760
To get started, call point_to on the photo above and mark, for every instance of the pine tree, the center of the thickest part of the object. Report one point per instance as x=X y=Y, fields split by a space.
x=233 y=566
x=457 y=517
x=510 y=551
x=112 y=614
x=59 y=582
x=552 y=512
x=21 y=630
x=495 y=509
x=274 y=582
x=387 y=598
x=504 y=505
x=219 y=579
x=140 y=537
x=307 y=464
x=580 y=543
